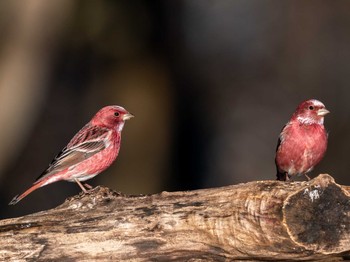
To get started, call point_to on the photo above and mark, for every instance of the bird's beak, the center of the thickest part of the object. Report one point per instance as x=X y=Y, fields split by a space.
x=322 y=112
x=127 y=116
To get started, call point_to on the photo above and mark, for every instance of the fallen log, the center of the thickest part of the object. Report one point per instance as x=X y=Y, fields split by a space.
x=261 y=220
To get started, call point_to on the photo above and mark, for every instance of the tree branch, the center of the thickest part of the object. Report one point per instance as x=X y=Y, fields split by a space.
x=263 y=220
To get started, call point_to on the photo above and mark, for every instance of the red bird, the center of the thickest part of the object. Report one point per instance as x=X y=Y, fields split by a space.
x=303 y=141
x=93 y=149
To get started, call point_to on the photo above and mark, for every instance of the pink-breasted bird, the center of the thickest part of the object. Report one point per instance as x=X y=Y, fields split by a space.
x=303 y=141
x=93 y=149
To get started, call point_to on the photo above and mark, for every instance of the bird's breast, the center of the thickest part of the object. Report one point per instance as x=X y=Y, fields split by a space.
x=101 y=160
x=302 y=147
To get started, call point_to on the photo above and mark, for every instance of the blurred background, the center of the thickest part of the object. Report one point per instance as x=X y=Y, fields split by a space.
x=211 y=84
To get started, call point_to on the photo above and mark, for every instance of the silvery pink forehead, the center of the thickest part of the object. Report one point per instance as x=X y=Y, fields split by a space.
x=316 y=102
x=119 y=108
x=107 y=109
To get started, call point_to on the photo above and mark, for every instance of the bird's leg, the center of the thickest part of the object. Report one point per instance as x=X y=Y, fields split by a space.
x=287 y=178
x=308 y=178
x=81 y=186
x=282 y=176
x=88 y=186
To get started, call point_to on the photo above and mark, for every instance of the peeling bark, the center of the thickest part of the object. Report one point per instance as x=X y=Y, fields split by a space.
x=262 y=220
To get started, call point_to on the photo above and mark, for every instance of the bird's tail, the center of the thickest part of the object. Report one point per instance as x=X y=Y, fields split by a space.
x=18 y=198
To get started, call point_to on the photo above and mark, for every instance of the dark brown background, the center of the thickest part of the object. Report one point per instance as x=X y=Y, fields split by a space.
x=211 y=84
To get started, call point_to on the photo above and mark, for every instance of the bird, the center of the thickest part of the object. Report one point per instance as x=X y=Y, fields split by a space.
x=303 y=141
x=92 y=150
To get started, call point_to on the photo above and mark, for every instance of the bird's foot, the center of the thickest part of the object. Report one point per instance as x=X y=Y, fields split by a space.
x=284 y=177
x=308 y=178
x=86 y=187
x=89 y=187
x=289 y=178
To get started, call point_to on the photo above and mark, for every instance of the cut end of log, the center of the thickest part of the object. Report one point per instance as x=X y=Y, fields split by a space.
x=317 y=216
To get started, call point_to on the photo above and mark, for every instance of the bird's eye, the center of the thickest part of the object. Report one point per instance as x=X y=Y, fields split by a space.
x=117 y=114
x=311 y=107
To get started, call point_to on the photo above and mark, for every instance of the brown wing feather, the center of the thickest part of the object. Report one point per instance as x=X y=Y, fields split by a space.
x=86 y=143
x=280 y=175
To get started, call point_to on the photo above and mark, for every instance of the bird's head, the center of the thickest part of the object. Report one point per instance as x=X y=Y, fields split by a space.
x=310 y=112
x=111 y=117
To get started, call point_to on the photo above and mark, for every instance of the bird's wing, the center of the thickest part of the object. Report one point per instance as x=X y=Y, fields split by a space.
x=278 y=143
x=282 y=135
x=280 y=174
x=86 y=143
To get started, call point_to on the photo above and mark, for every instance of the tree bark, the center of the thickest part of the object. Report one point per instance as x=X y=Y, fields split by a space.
x=262 y=220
